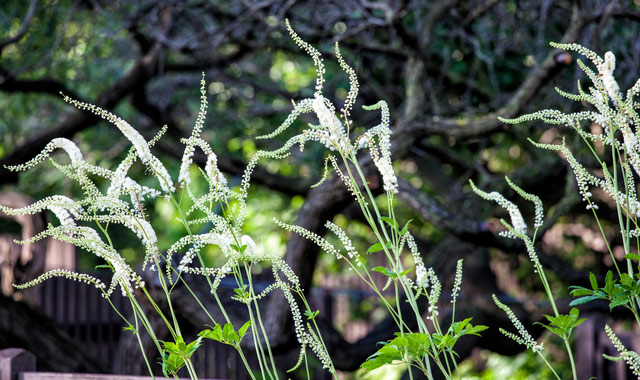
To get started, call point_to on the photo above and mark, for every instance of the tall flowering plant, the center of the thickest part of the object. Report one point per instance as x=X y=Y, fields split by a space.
x=617 y=152
x=85 y=222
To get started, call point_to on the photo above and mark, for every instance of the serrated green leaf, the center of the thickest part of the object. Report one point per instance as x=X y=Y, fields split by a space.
x=213 y=334
x=193 y=346
x=227 y=332
x=474 y=330
x=619 y=301
x=632 y=256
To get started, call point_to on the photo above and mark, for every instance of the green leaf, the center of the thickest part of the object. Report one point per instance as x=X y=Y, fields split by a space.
x=582 y=300
x=243 y=330
x=311 y=314
x=593 y=280
x=459 y=326
x=632 y=256
x=386 y=271
x=405 y=228
x=229 y=333
x=474 y=330
x=574 y=312
x=581 y=292
x=391 y=222
x=171 y=364
x=213 y=334
x=385 y=355
x=626 y=280
x=578 y=322
x=619 y=301
x=241 y=292
x=375 y=248
x=609 y=282
x=193 y=346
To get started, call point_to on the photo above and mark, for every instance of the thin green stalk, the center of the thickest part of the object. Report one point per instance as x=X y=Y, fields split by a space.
x=190 y=369
x=573 y=363
x=264 y=331
x=258 y=347
x=244 y=361
x=406 y=354
x=382 y=240
x=549 y=365
x=142 y=350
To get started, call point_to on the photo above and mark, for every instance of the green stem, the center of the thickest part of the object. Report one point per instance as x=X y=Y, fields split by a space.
x=573 y=363
x=142 y=350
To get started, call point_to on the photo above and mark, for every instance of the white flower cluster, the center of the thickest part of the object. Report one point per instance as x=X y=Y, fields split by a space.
x=434 y=293
x=141 y=145
x=346 y=242
x=630 y=357
x=65 y=209
x=331 y=132
x=88 y=239
x=457 y=282
x=319 y=240
x=617 y=116
x=585 y=180
x=605 y=69
x=537 y=202
x=381 y=154
x=353 y=84
x=75 y=155
x=422 y=279
x=80 y=277
x=335 y=136
x=214 y=176
x=313 y=53
x=517 y=221
x=523 y=336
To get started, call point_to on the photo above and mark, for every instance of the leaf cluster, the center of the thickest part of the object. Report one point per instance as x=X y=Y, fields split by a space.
x=617 y=293
x=227 y=334
x=414 y=348
x=175 y=354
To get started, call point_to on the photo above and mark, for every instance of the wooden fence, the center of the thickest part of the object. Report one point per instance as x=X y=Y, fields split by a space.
x=18 y=364
x=88 y=318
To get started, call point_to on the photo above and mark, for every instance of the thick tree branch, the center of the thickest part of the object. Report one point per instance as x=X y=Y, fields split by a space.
x=10 y=84
x=475 y=125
